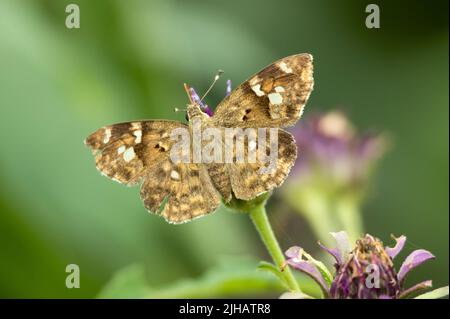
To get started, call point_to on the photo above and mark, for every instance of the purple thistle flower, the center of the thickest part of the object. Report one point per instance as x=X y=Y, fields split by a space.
x=331 y=151
x=366 y=272
x=330 y=179
x=351 y=279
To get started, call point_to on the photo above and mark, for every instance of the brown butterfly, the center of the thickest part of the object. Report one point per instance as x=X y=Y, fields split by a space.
x=140 y=151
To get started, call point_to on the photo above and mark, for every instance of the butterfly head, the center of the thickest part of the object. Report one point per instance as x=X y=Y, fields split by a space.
x=196 y=108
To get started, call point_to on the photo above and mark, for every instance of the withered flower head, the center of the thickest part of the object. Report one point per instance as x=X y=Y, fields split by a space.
x=331 y=151
x=366 y=272
x=353 y=279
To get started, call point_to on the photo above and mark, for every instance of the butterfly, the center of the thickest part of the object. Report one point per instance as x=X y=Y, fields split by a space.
x=139 y=152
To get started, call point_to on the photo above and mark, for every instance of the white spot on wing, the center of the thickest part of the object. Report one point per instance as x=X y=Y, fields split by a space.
x=254 y=80
x=275 y=98
x=107 y=135
x=252 y=145
x=121 y=149
x=129 y=154
x=279 y=89
x=257 y=89
x=174 y=175
x=284 y=67
x=138 y=135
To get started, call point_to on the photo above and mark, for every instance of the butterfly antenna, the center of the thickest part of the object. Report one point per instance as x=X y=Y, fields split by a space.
x=216 y=78
x=176 y=109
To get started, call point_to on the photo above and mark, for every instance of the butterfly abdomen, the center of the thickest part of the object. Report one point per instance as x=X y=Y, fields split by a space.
x=221 y=180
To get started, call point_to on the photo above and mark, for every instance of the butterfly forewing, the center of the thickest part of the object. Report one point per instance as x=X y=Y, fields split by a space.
x=123 y=151
x=274 y=97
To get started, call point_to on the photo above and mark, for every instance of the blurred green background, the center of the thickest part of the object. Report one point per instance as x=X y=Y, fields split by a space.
x=129 y=60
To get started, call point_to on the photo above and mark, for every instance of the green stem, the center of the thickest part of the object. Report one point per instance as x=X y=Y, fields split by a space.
x=316 y=209
x=262 y=224
x=350 y=217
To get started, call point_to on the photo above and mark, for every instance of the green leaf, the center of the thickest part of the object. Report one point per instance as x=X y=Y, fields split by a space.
x=266 y=266
x=324 y=272
x=434 y=294
x=321 y=267
x=129 y=282
x=237 y=277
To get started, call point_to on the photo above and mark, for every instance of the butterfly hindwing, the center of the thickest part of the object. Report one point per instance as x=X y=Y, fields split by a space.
x=249 y=180
x=251 y=175
x=179 y=192
x=274 y=97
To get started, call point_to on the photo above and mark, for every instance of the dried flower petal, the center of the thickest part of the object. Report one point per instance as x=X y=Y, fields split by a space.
x=311 y=270
x=416 y=258
x=228 y=91
x=295 y=255
x=293 y=252
x=340 y=253
x=394 y=251
x=420 y=286
x=194 y=97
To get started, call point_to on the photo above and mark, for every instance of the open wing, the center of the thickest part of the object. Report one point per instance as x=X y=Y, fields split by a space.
x=274 y=97
x=140 y=151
